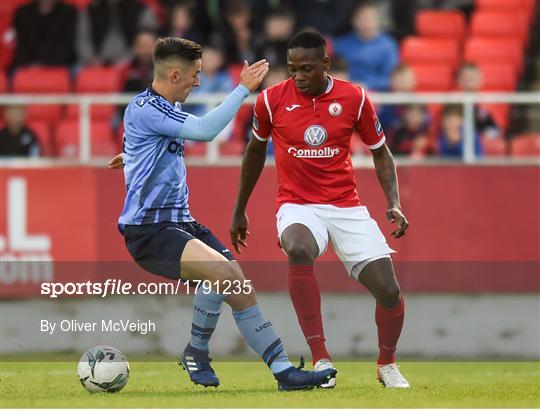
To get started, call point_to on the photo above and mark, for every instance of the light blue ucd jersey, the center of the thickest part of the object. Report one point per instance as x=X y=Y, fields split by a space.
x=155 y=170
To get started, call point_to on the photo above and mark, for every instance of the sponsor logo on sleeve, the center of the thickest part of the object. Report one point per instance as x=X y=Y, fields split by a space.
x=378 y=125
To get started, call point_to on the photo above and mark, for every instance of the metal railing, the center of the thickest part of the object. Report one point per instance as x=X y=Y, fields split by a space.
x=84 y=101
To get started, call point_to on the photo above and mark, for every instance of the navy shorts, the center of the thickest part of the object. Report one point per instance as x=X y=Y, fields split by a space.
x=158 y=247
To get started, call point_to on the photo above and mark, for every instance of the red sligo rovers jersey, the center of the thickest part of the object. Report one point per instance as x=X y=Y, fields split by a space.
x=312 y=139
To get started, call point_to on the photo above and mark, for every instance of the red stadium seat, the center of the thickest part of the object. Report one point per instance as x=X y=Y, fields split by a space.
x=43 y=132
x=49 y=113
x=98 y=79
x=494 y=146
x=418 y=50
x=67 y=139
x=41 y=80
x=97 y=112
x=498 y=77
x=482 y=51
x=500 y=25
x=442 y=24
x=3 y=82
x=432 y=77
x=526 y=6
x=526 y=145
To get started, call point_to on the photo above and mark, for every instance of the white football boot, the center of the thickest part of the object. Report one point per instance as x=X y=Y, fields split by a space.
x=390 y=377
x=324 y=364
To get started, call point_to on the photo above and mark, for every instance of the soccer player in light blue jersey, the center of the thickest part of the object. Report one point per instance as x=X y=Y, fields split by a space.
x=159 y=231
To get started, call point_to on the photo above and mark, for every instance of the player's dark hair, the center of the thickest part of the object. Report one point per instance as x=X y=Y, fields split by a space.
x=452 y=109
x=167 y=47
x=308 y=39
x=468 y=65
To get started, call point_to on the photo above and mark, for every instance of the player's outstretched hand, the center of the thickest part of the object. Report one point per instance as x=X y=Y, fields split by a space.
x=252 y=76
x=117 y=162
x=395 y=215
x=239 y=231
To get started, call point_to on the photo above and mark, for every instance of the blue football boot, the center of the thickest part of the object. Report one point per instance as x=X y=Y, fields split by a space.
x=197 y=364
x=293 y=378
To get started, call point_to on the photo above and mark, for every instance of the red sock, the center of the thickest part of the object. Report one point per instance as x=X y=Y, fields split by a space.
x=389 y=324
x=306 y=299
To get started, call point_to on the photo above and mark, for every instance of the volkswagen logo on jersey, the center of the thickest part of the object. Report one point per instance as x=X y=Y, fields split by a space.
x=315 y=135
x=335 y=109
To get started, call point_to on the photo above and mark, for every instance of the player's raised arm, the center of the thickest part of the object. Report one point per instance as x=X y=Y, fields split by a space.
x=207 y=127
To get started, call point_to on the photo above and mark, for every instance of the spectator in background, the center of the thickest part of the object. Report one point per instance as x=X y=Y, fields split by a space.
x=339 y=69
x=411 y=137
x=182 y=24
x=329 y=17
x=370 y=54
x=107 y=29
x=278 y=29
x=140 y=70
x=45 y=31
x=237 y=33
x=402 y=80
x=451 y=136
x=15 y=138
x=469 y=79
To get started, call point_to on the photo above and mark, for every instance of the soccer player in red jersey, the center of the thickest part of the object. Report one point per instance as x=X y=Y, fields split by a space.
x=311 y=118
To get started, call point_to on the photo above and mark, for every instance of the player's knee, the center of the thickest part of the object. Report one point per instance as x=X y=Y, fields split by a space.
x=228 y=273
x=389 y=296
x=300 y=253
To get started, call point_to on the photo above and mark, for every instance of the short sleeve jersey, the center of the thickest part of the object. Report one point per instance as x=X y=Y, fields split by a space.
x=312 y=136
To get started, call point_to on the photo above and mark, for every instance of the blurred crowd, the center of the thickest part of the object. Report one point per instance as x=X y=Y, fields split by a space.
x=363 y=39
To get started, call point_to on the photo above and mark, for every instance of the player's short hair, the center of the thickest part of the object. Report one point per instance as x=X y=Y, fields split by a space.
x=468 y=65
x=176 y=47
x=308 y=39
x=401 y=68
x=452 y=109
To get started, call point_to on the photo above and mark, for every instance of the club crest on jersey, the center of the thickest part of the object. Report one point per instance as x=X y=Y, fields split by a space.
x=378 y=125
x=335 y=109
x=315 y=135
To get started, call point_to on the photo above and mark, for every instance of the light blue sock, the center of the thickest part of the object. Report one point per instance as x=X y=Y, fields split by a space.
x=206 y=310
x=260 y=336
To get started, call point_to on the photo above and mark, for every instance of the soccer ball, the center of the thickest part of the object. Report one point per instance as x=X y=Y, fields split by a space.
x=103 y=369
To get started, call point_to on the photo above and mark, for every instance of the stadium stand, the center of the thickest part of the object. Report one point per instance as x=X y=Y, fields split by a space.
x=481 y=50
x=37 y=80
x=433 y=77
x=419 y=50
x=498 y=77
x=441 y=24
x=67 y=139
x=500 y=25
x=99 y=79
x=42 y=130
x=526 y=145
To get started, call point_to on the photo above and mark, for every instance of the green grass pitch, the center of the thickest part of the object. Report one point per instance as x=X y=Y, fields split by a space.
x=250 y=385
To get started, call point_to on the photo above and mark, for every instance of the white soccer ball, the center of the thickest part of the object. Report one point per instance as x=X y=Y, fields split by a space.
x=103 y=369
